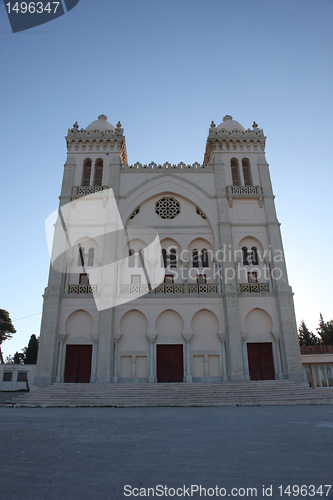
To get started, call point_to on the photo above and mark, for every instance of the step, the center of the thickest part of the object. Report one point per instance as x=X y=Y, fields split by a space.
x=284 y=392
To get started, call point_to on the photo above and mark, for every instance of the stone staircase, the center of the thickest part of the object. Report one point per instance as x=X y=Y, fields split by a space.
x=270 y=392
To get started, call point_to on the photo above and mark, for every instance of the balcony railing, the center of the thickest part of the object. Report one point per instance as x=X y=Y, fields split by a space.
x=254 y=287
x=245 y=189
x=83 y=190
x=139 y=289
x=171 y=288
x=82 y=289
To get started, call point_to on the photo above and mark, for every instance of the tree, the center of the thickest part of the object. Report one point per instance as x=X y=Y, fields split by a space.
x=6 y=329
x=30 y=352
x=18 y=358
x=325 y=330
x=305 y=336
x=9 y=360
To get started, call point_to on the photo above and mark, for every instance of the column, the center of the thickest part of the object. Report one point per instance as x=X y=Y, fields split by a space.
x=184 y=264
x=118 y=278
x=151 y=340
x=217 y=274
x=68 y=263
x=188 y=338
x=222 y=338
x=115 y=364
x=61 y=339
x=100 y=263
x=278 y=355
x=133 y=366
x=94 y=359
x=152 y=263
x=245 y=360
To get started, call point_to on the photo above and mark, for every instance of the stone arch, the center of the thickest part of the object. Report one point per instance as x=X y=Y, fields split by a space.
x=169 y=325
x=170 y=245
x=259 y=325
x=200 y=244
x=86 y=242
x=250 y=241
x=195 y=255
x=175 y=186
x=133 y=328
x=205 y=326
x=79 y=324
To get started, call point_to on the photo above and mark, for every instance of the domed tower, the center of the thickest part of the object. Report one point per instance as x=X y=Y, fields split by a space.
x=95 y=157
x=258 y=300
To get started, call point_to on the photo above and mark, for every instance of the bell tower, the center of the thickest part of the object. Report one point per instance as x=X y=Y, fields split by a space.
x=247 y=213
x=95 y=156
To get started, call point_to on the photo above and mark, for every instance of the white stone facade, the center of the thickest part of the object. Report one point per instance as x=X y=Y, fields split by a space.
x=224 y=310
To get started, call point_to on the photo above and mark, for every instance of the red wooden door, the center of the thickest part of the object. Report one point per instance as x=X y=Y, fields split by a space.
x=260 y=358
x=78 y=364
x=169 y=363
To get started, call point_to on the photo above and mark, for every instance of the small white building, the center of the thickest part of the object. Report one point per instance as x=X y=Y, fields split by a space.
x=16 y=377
x=220 y=310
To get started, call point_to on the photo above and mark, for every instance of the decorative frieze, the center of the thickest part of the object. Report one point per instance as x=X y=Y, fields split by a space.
x=254 y=287
x=84 y=190
x=171 y=289
x=82 y=289
x=138 y=167
x=245 y=192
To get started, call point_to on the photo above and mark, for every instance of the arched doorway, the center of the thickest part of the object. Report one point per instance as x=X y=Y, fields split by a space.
x=259 y=345
x=169 y=349
x=79 y=326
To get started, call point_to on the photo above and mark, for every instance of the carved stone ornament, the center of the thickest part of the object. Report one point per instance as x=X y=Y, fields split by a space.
x=167 y=208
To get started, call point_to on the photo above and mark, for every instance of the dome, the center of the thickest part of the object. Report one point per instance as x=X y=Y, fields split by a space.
x=101 y=124
x=229 y=124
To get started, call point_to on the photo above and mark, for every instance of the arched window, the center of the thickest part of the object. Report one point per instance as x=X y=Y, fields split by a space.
x=195 y=258
x=234 y=172
x=86 y=173
x=204 y=258
x=245 y=256
x=91 y=255
x=254 y=256
x=246 y=172
x=98 y=173
x=80 y=260
x=173 y=258
x=131 y=258
x=141 y=258
x=164 y=258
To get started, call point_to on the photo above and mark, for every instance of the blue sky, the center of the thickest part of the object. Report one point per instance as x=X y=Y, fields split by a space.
x=165 y=69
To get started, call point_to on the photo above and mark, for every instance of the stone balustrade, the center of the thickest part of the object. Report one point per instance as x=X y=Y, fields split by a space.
x=81 y=289
x=170 y=289
x=254 y=287
x=84 y=190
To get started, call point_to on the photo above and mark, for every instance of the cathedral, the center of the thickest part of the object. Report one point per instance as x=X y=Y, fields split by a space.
x=167 y=273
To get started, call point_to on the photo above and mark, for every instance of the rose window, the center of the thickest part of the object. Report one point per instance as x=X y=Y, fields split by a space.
x=167 y=208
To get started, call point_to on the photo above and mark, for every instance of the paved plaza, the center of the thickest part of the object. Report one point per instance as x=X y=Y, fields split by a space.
x=93 y=453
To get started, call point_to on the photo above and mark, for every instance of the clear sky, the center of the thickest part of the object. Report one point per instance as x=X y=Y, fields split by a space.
x=165 y=69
